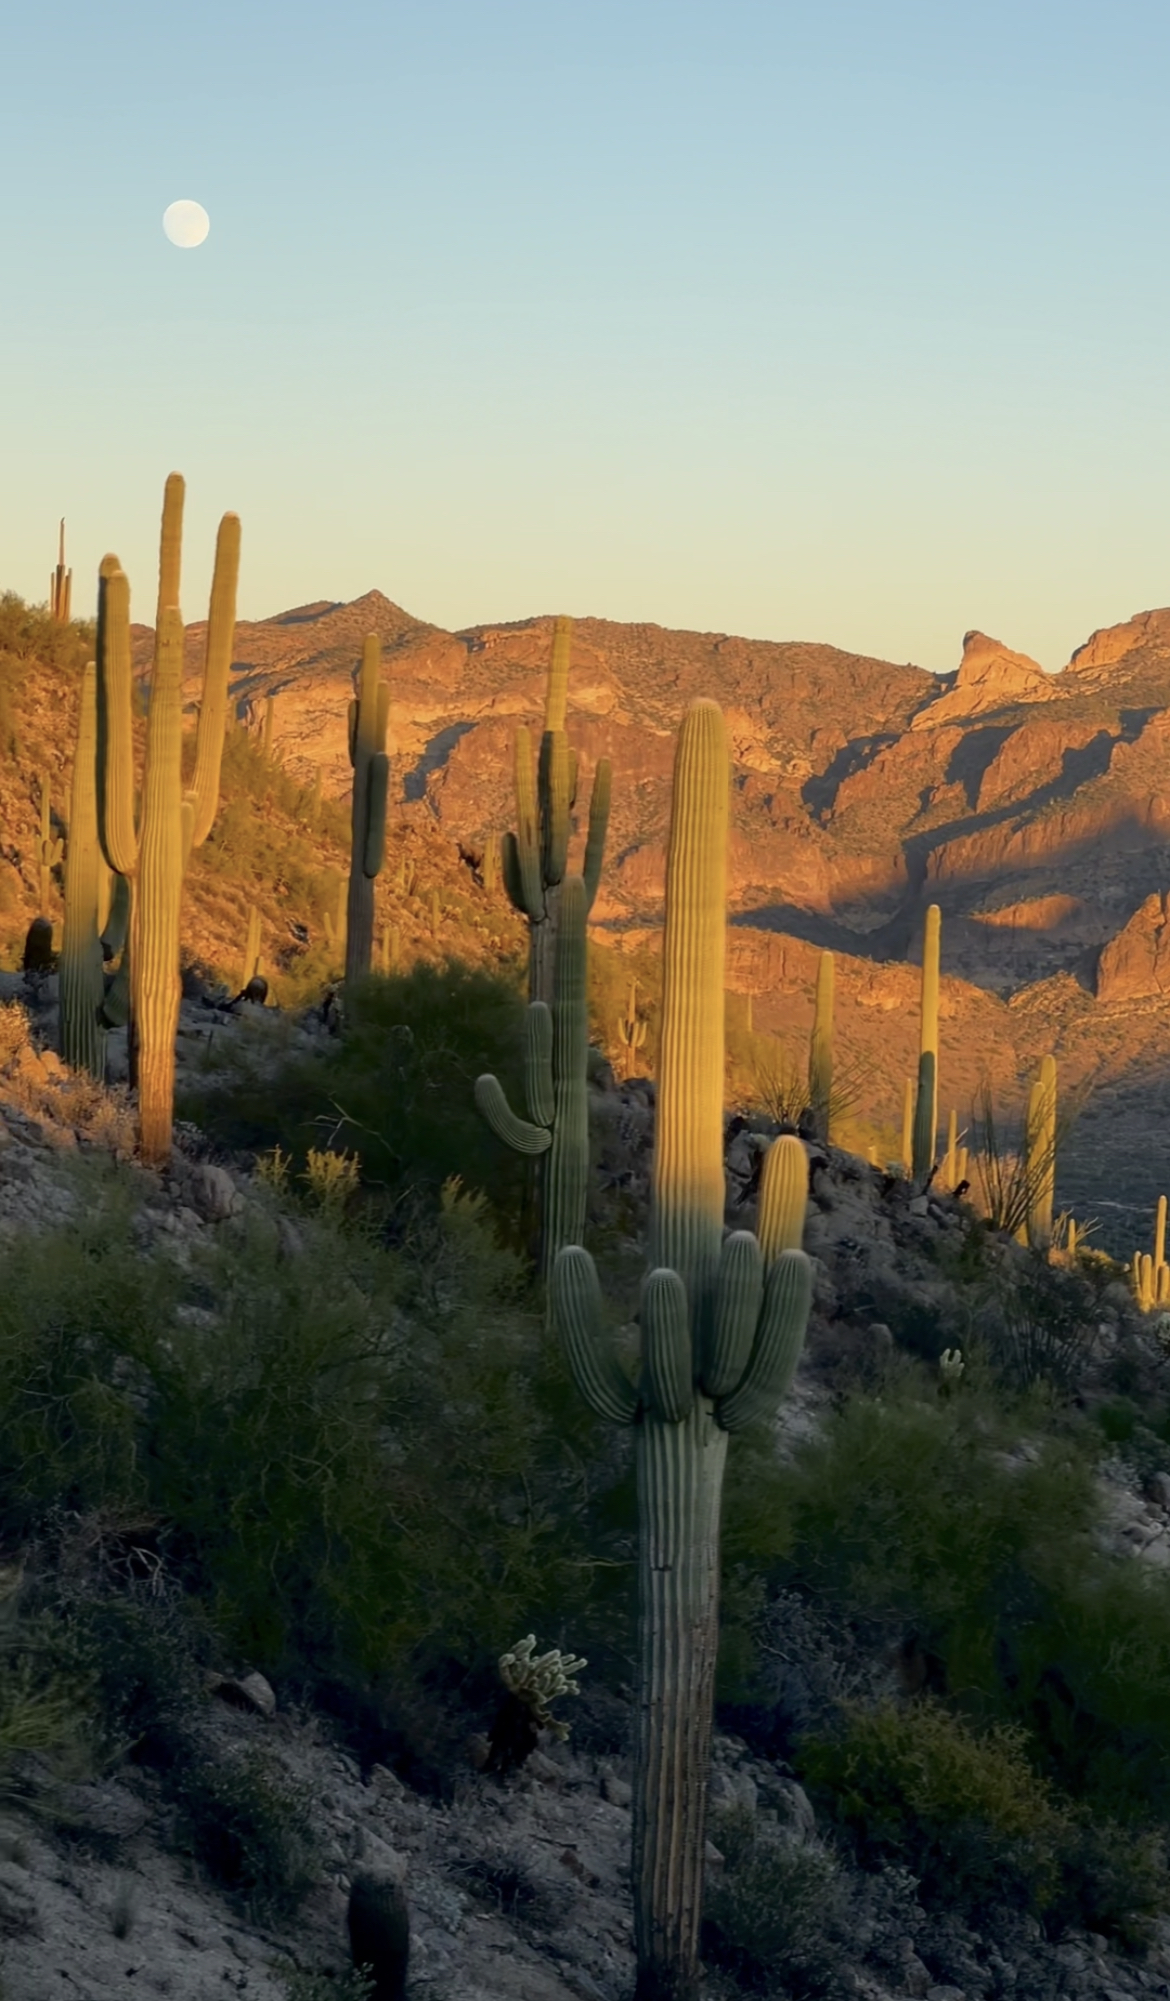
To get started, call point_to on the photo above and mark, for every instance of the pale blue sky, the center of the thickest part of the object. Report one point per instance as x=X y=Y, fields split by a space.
x=845 y=321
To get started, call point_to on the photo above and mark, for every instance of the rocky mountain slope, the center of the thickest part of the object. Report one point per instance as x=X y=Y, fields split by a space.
x=1033 y=807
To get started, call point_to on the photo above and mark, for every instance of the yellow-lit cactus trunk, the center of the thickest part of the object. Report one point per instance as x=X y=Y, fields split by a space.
x=154 y=951
x=687 y=1219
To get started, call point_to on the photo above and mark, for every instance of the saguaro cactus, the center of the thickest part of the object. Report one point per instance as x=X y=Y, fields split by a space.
x=926 y=1100
x=820 y=1049
x=61 y=585
x=535 y=857
x=50 y=849
x=631 y=1029
x=83 y=1037
x=369 y=714
x=722 y=1328
x=557 y=1126
x=153 y=854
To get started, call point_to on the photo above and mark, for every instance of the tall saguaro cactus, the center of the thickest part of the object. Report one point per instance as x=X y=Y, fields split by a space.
x=926 y=1099
x=369 y=714
x=61 y=585
x=153 y=853
x=83 y=1037
x=722 y=1328
x=535 y=857
x=820 y=1049
x=557 y=1127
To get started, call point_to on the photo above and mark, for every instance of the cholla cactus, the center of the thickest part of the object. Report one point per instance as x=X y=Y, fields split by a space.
x=538 y=1682
x=950 y=1368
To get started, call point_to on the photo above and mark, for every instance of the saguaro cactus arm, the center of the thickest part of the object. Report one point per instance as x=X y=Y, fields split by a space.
x=579 y=1315
x=217 y=661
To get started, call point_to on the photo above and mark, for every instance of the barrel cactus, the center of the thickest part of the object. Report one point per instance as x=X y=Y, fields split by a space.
x=722 y=1326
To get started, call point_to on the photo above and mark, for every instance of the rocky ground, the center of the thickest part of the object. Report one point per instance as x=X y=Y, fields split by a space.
x=518 y=1887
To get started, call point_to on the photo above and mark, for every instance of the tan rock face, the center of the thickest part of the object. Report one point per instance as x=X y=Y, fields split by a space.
x=1137 y=962
x=989 y=676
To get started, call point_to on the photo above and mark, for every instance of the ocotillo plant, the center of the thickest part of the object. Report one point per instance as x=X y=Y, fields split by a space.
x=535 y=857
x=722 y=1328
x=153 y=853
x=631 y=1030
x=557 y=1126
x=820 y=1049
x=83 y=1036
x=50 y=849
x=369 y=714
x=926 y=1098
x=1040 y=1141
x=269 y=719
x=61 y=585
x=907 y=1153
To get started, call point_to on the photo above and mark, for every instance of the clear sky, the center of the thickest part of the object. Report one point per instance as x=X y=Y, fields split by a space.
x=843 y=320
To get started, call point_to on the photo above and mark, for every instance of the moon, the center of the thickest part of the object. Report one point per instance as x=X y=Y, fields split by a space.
x=186 y=224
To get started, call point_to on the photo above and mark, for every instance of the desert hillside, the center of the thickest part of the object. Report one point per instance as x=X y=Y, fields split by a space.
x=1032 y=807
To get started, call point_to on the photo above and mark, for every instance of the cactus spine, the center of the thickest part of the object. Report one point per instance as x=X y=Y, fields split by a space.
x=722 y=1328
x=926 y=1101
x=820 y=1049
x=369 y=714
x=153 y=856
x=1040 y=1164
x=535 y=857
x=83 y=1040
x=557 y=1126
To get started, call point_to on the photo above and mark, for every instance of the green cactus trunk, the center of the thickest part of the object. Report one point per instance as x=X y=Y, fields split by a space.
x=556 y=1132
x=83 y=1039
x=155 y=986
x=153 y=855
x=722 y=1325
x=534 y=858
x=926 y=1101
x=368 y=719
x=820 y=1052
x=50 y=849
x=680 y=1470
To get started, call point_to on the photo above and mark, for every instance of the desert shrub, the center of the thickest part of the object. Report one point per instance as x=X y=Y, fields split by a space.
x=916 y=1785
x=355 y=1984
x=249 y=1826
x=779 y=1911
x=396 y=1089
x=75 y=1305
x=1038 y=1322
x=937 y=1521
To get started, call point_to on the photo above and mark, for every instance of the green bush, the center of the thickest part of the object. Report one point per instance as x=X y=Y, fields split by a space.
x=967 y=1812
x=397 y=1088
x=778 y=1912
x=317 y=1435
x=249 y=1827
